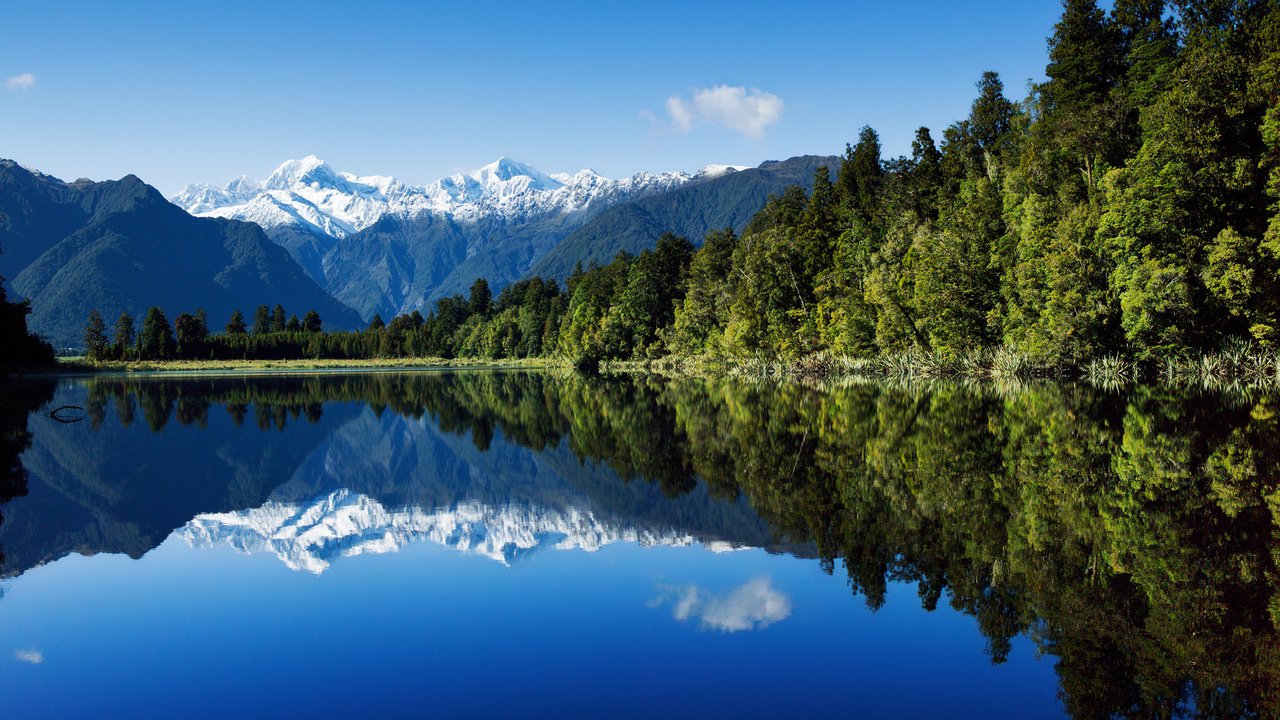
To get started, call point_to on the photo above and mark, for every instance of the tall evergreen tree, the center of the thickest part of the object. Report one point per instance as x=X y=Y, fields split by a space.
x=190 y=332
x=278 y=320
x=991 y=117
x=1148 y=47
x=861 y=174
x=157 y=341
x=123 y=339
x=261 y=320
x=95 y=336
x=923 y=179
x=480 y=297
x=236 y=326
x=1075 y=103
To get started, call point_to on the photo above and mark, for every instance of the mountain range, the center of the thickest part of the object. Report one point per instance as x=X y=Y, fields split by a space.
x=381 y=246
x=348 y=246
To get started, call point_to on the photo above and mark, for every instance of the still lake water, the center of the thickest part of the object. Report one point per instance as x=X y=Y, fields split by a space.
x=501 y=543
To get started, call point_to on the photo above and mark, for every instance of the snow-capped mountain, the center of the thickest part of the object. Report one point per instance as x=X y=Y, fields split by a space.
x=306 y=193
x=382 y=246
x=310 y=536
x=309 y=194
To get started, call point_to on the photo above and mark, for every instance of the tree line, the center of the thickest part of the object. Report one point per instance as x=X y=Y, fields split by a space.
x=1128 y=205
x=189 y=337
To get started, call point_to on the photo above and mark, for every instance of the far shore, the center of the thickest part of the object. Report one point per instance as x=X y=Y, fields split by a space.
x=81 y=366
x=1239 y=367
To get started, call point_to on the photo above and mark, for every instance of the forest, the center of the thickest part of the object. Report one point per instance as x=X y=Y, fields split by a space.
x=1126 y=207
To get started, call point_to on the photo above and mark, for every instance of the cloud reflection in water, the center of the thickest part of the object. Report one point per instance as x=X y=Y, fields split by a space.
x=753 y=605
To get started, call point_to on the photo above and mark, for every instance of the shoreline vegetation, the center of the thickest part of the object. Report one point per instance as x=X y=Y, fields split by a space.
x=84 y=365
x=1240 y=366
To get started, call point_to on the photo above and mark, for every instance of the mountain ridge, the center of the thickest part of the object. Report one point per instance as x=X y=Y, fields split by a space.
x=384 y=247
x=350 y=203
x=119 y=246
x=691 y=211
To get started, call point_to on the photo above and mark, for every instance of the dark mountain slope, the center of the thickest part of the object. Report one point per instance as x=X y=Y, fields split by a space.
x=124 y=248
x=692 y=211
x=394 y=263
x=400 y=264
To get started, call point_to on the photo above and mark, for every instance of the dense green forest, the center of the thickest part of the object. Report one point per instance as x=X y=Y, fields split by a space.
x=1129 y=206
x=1130 y=535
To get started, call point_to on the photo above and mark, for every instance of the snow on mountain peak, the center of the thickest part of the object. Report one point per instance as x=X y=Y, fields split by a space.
x=310 y=535
x=310 y=170
x=309 y=194
x=505 y=169
x=715 y=171
x=242 y=186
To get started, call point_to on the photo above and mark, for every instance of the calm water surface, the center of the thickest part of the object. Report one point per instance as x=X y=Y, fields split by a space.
x=493 y=544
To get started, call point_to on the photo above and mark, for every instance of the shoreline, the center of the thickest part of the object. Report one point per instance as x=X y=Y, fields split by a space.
x=1234 y=367
x=80 y=368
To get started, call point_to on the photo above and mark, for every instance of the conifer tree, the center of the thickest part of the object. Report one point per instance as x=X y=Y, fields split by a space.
x=261 y=320
x=236 y=326
x=156 y=340
x=123 y=339
x=95 y=336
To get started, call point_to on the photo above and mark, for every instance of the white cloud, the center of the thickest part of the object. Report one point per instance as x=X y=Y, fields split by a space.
x=35 y=657
x=743 y=110
x=681 y=115
x=25 y=81
x=751 y=606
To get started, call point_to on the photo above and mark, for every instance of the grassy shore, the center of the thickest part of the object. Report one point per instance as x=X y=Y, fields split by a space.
x=81 y=365
x=1237 y=366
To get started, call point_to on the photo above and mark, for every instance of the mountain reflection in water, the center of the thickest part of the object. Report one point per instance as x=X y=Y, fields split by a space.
x=1132 y=536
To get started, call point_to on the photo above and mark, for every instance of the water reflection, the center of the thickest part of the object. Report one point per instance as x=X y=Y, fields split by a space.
x=754 y=604
x=18 y=399
x=1133 y=536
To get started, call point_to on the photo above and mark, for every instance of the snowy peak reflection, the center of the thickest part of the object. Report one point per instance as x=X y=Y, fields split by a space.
x=344 y=524
x=260 y=453
x=383 y=480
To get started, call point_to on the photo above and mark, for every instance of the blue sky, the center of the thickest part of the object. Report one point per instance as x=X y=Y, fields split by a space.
x=179 y=92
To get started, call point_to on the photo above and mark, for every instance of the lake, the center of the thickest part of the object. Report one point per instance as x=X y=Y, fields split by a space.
x=546 y=544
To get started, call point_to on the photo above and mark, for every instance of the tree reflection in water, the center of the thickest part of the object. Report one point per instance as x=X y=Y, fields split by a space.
x=1131 y=535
